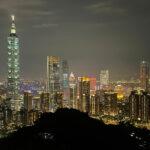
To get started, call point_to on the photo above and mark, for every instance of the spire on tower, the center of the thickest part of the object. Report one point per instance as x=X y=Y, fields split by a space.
x=13 y=27
x=13 y=18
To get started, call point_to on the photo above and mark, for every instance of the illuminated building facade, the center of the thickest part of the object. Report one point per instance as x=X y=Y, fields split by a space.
x=33 y=115
x=73 y=91
x=84 y=94
x=28 y=101
x=92 y=85
x=13 y=79
x=104 y=77
x=144 y=75
x=45 y=102
x=95 y=105
x=54 y=85
x=65 y=83
x=110 y=103
x=119 y=89
x=139 y=106
x=36 y=103
x=2 y=117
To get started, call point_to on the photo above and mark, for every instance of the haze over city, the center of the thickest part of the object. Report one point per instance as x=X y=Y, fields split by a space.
x=75 y=74
x=91 y=35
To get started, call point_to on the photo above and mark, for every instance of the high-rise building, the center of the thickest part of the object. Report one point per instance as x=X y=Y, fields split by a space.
x=144 y=75
x=139 y=106
x=92 y=83
x=13 y=78
x=65 y=73
x=73 y=91
x=28 y=101
x=65 y=83
x=104 y=77
x=36 y=103
x=54 y=83
x=45 y=104
x=84 y=94
x=27 y=105
x=119 y=89
x=95 y=105
x=110 y=103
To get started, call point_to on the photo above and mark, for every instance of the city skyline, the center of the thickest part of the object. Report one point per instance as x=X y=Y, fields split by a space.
x=74 y=68
x=94 y=36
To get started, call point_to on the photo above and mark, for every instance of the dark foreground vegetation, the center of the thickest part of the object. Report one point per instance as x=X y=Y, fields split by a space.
x=69 y=129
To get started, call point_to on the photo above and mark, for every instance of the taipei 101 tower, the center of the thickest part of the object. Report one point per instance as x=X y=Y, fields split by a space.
x=13 y=78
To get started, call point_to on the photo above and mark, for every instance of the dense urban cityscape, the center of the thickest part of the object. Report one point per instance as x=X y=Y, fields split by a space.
x=23 y=101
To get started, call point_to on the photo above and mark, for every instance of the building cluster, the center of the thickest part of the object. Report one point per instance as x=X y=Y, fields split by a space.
x=22 y=102
x=139 y=106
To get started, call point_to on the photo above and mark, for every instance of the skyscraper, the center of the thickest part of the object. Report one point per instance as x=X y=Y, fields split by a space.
x=104 y=77
x=73 y=91
x=139 y=106
x=28 y=101
x=54 y=85
x=13 y=78
x=94 y=105
x=92 y=83
x=144 y=75
x=44 y=102
x=92 y=89
x=65 y=83
x=84 y=94
x=110 y=103
x=65 y=73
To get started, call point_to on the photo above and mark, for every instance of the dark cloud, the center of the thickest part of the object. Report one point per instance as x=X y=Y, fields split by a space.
x=106 y=8
x=91 y=34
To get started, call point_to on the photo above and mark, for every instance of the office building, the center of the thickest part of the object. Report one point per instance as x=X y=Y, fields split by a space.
x=104 y=78
x=139 y=106
x=144 y=75
x=84 y=94
x=95 y=105
x=73 y=91
x=65 y=83
x=28 y=101
x=13 y=78
x=110 y=103
x=92 y=85
x=45 y=102
x=54 y=84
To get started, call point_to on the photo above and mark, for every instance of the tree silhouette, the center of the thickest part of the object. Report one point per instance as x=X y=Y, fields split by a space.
x=69 y=129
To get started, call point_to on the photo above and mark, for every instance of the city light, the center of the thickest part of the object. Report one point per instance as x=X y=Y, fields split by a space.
x=23 y=100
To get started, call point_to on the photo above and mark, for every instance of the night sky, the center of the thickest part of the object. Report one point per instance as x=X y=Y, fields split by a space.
x=91 y=34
